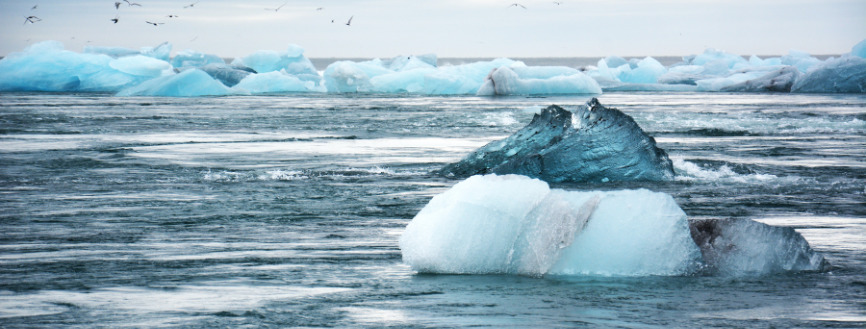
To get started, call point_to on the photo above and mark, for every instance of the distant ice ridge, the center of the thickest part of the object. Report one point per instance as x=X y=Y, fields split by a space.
x=47 y=66
x=514 y=224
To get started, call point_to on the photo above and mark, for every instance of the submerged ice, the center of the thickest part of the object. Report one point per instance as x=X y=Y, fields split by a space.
x=47 y=66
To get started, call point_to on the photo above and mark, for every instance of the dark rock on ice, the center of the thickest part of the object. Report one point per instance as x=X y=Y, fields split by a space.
x=746 y=247
x=594 y=143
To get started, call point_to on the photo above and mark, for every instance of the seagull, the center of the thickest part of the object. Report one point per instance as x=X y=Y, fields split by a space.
x=117 y=5
x=278 y=8
x=115 y=19
x=152 y=23
x=349 y=23
x=512 y=5
x=557 y=3
x=191 y=5
x=131 y=3
x=31 y=19
x=172 y=16
x=34 y=7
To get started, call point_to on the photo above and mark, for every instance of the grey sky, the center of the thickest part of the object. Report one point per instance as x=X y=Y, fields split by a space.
x=448 y=28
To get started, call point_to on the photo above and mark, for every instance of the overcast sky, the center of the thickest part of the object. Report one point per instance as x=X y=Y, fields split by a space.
x=448 y=28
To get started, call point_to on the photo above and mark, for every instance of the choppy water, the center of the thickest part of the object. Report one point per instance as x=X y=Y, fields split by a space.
x=285 y=211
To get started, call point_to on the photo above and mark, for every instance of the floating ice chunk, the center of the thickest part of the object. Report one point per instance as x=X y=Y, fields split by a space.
x=682 y=75
x=191 y=58
x=408 y=81
x=604 y=74
x=273 y=82
x=46 y=66
x=161 y=52
x=716 y=58
x=405 y=63
x=757 y=61
x=192 y=82
x=647 y=70
x=592 y=144
x=859 y=49
x=514 y=224
x=717 y=84
x=292 y=61
x=746 y=247
x=779 y=80
x=802 y=61
x=142 y=66
x=846 y=74
x=538 y=81
x=615 y=61
x=347 y=76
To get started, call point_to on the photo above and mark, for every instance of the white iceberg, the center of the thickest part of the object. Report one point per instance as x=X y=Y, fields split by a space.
x=525 y=80
x=514 y=224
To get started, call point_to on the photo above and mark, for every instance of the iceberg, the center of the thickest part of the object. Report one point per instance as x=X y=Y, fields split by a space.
x=47 y=66
x=593 y=143
x=537 y=81
x=292 y=61
x=779 y=80
x=273 y=82
x=192 y=82
x=517 y=225
x=745 y=247
x=846 y=74
x=192 y=58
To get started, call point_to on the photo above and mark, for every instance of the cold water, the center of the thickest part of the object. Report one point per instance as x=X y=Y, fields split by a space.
x=286 y=211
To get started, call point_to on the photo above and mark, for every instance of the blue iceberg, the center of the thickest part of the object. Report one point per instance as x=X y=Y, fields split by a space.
x=193 y=82
x=591 y=144
x=46 y=66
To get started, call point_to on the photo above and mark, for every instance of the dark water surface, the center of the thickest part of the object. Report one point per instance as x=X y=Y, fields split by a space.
x=285 y=211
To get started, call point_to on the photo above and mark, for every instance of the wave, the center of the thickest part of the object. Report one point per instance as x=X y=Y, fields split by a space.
x=691 y=171
x=227 y=176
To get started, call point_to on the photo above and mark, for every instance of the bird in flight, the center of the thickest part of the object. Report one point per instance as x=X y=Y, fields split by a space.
x=191 y=5
x=517 y=5
x=115 y=19
x=131 y=3
x=278 y=8
x=31 y=19
x=117 y=5
x=34 y=7
x=349 y=23
x=557 y=3
x=172 y=16
x=152 y=23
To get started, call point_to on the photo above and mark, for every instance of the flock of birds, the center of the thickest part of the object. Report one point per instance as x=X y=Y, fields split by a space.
x=117 y=4
x=32 y=19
